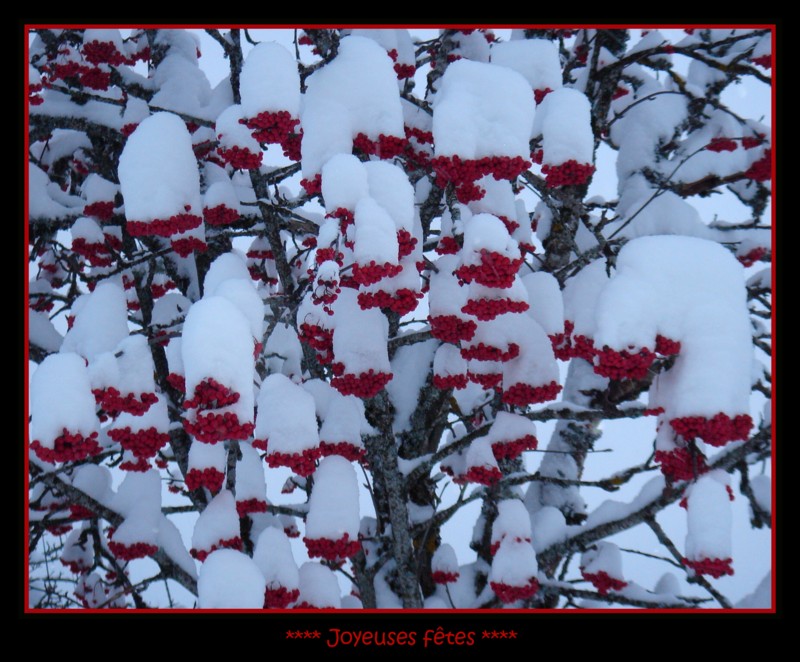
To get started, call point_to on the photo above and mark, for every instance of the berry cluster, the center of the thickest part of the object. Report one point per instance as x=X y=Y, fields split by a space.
x=716 y=431
x=749 y=142
x=488 y=309
x=220 y=215
x=332 y=550
x=113 y=402
x=137 y=550
x=752 y=256
x=448 y=246
x=496 y=544
x=623 y=364
x=495 y=270
x=761 y=170
x=716 y=568
x=386 y=147
x=464 y=172
x=403 y=301
x=176 y=381
x=681 y=464
x=368 y=274
x=95 y=78
x=142 y=443
x=303 y=464
x=186 y=246
x=604 y=582
x=442 y=577
x=76 y=512
x=319 y=339
x=42 y=304
x=364 y=385
x=96 y=254
x=102 y=210
x=231 y=543
x=452 y=329
x=569 y=173
x=344 y=449
x=67 y=447
x=522 y=395
x=260 y=254
x=280 y=597
x=509 y=593
x=246 y=506
x=562 y=342
x=140 y=464
x=620 y=92
x=405 y=242
x=211 y=428
x=721 y=145
x=271 y=127
x=583 y=348
x=424 y=137
x=258 y=272
x=445 y=382
x=158 y=290
x=210 y=394
x=484 y=352
x=539 y=95
x=763 y=61
x=240 y=158
x=484 y=475
x=77 y=567
x=514 y=448
x=666 y=346
x=312 y=186
x=329 y=254
x=164 y=227
x=103 y=52
x=486 y=380
x=209 y=478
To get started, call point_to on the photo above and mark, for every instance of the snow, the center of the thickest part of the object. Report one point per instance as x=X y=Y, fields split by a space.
x=230 y=580
x=344 y=182
x=376 y=236
x=207 y=456
x=136 y=369
x=603 y=556
x=286 y=416
x=760 y=598
x=547 y=304
x=390 y=188
x=61 y=397
x=269 y=81
x=95 y=481
x=319 y=586
x=513 y=564
x=284 y=351
x=709 y=518
x=217 y=342
x=762 y=490
x=689 y=290
x=273 y=555
x=170 y=541
x=219 y=521
x=42 y=333
x=487 y=232
x=333 y=505
x=360 y=336
x=139 y=492
x=548 y=527
x=512 y=522
x=536 y=59
x=250 y=481
x=158 y=170
x=564 y=121
x=410 y=365
x=508 y=427
x=362 y=79
x=232 y=133
x=482 y=110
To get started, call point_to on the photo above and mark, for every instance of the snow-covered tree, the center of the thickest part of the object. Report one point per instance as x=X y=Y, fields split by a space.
x=381 y=318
